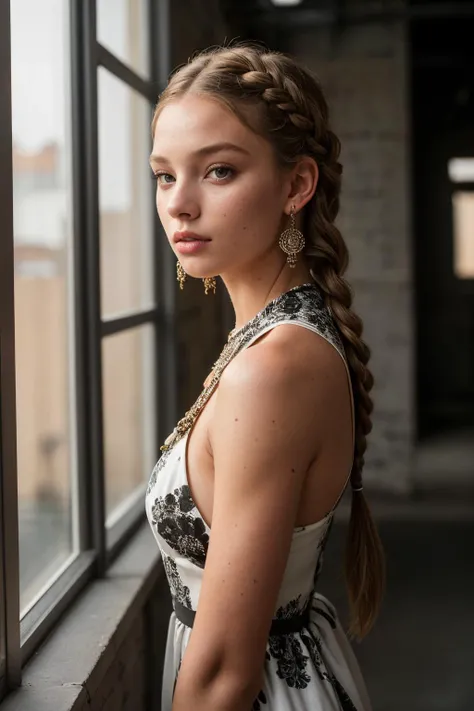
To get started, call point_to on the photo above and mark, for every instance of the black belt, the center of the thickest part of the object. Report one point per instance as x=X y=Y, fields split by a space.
x=278 y=626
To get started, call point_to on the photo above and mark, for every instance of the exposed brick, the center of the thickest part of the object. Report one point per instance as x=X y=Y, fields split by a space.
x=363 y=73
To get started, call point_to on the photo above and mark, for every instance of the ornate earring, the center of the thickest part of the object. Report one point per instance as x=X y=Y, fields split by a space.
x=292 y=240
x=209 y=285
x=180 y=274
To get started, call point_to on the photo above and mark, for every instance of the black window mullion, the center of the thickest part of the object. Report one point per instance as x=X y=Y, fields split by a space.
x=122 y=323
x=84 y=484
x=9 y=546
x=91 y=284
x=155 y=9
x=165 y=263
x=115 y=66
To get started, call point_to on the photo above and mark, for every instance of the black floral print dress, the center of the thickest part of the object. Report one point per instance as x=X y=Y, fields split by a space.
x=311 y=670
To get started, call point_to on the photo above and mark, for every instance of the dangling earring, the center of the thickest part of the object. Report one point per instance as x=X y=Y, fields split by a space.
x=180 y=274
x=209 y=284
x=291 y=240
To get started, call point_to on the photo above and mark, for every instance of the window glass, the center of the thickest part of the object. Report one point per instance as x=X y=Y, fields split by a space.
x=44 y=318
x=461 y=170
x=129 y=416
x=122 y=27
x=126 y=197
x=463 y=231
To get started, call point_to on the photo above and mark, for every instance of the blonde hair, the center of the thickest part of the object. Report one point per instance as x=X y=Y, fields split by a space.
x=281 y=100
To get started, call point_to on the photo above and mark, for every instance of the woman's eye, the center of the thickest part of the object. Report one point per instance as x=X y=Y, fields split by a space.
x=162 y=178
x=222 y=172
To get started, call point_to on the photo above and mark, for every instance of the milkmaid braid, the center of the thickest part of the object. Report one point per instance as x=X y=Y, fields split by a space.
x=282 y=101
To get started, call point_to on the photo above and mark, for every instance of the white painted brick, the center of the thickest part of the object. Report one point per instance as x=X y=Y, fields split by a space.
x=363 y=74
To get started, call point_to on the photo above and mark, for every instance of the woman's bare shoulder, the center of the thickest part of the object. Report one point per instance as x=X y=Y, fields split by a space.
x=288 y=353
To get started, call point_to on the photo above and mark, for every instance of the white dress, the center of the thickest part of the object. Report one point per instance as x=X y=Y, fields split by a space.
x=313 y=668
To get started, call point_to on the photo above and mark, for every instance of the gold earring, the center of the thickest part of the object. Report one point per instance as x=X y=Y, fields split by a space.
x=209 y=285
x=180 y=274
x=292 y=240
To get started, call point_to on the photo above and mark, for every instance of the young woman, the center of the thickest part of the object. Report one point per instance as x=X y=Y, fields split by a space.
x=242 y=499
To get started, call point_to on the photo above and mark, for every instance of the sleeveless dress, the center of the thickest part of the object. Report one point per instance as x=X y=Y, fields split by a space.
x=313 y=669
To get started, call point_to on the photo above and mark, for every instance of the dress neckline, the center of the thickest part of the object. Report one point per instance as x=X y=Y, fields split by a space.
x=300 y=287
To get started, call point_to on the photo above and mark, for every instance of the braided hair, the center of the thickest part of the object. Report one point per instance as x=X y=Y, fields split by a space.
x=281 y=100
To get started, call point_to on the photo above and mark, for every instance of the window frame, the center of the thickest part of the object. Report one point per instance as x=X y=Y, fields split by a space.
x=98 y=547
x=9 y=553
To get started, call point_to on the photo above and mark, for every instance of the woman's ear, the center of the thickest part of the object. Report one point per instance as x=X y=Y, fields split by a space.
x=303 y=182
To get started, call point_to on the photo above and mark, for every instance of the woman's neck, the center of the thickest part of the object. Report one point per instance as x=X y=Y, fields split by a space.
x=250 y=293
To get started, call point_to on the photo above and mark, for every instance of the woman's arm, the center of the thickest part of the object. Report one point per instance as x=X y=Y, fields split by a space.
x=268 y=419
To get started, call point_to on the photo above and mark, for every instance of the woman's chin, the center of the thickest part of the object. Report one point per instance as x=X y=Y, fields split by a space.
x=197 y=271
x=202 y=275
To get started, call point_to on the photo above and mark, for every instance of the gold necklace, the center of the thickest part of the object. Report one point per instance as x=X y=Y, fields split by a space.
x=185 y=423
x=234 y=341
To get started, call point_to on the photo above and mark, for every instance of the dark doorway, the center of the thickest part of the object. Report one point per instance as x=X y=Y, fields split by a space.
x=443 y=129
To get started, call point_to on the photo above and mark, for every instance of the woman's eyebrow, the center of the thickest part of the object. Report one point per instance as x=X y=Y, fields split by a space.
x=206 y=150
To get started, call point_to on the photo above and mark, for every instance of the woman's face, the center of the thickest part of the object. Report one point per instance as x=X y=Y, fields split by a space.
x=218 y=180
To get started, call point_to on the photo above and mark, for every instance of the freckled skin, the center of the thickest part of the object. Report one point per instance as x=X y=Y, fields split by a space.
x=239 y=214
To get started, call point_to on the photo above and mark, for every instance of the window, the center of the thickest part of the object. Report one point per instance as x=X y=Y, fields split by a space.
x=81 y=293
x=463 y=227
x=125 y=193
x=129 y=416
x=461 y=174
x=44 y=284
x=121 y=28
x=461 y=170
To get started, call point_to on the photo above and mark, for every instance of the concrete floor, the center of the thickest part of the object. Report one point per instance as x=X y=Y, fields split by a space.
x=420 y=655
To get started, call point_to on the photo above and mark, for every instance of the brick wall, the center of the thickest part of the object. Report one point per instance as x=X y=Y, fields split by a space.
x=363 y=71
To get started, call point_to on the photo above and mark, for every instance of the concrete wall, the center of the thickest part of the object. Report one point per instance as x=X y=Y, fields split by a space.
x=363 y=70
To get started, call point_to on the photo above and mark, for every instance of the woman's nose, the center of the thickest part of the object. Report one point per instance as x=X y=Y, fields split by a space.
x=183 y=203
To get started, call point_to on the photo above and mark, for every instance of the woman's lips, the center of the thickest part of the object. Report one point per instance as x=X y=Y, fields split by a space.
x=191 y=246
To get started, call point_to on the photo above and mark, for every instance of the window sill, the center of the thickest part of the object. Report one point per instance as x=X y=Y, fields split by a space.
x=66 y=671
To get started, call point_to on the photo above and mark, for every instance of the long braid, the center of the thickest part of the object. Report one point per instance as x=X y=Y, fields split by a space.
x=295 y=121
x=365 y=563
